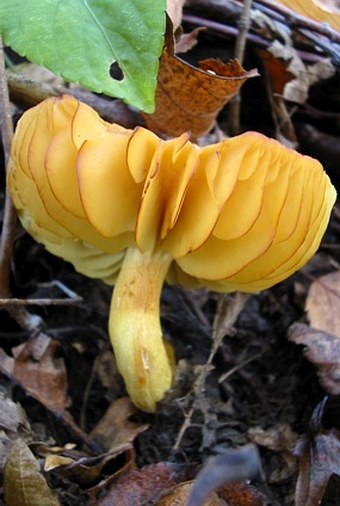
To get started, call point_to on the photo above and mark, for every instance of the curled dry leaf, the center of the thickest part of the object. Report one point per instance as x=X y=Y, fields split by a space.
x=86 y=471
x=24 y=485
x=36 y=369
x=174 y=9
x=189 y=98
x=323 y=350
x=188 y=40
x=322 y=304
x=319 y=459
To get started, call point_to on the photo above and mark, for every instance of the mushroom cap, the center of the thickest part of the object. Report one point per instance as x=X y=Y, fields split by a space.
x=241 y=214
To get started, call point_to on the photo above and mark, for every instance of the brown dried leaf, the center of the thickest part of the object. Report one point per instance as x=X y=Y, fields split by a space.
x=304 y=76
x=85 y=470
x=279 y=438
x=319 y=459
x=55 y=461
x=114 y=429
x=5 y=448
x=36 y=369
x=174 y=9
x=322 y=304
x=228 y=309
x=297 y=90
x=146 y=485
x=323 y=350
x=12 y=415
x=189 y=98
x=179 y=495
x=188 y=40
x=276 y=71
x=23 y=483
x=242 y=494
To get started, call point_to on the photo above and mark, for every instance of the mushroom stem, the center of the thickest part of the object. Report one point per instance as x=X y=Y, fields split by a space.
x=135 y=328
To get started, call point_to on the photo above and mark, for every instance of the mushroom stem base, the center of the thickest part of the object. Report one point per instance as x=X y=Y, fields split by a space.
x=135 y=329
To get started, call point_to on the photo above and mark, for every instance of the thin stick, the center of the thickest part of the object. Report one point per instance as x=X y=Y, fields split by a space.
x=9 y=220
x=5 y=302
x=235 y=104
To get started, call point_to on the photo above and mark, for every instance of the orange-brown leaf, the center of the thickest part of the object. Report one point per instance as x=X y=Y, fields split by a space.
x=114 y=430
x=144 y=486
x=277 y=71
x=36 y=369
x=189 y=98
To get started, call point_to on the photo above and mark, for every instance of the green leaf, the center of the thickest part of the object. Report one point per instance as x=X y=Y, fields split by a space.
x=80 y=39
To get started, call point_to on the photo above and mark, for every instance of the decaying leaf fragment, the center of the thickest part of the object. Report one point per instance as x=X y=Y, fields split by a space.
x=24 y=485
x=174 y=9
x=322 y=304
x=303 y=75
x=323 y=350
x=319 y=459
x=38 y=371
x=179 y=495
x=189 y=98
x=146 y=485
x=114 y=430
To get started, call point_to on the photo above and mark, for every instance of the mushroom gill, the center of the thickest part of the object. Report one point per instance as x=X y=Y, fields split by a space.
x=134 y=210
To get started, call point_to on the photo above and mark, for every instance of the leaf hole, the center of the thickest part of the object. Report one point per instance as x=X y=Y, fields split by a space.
x=116 y=72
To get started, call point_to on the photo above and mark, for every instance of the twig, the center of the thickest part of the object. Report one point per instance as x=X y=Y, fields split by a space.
x=235 y=103
x=243 y=25
x=28 y=92
x=229 y=308
x=222 y=19
x=234 y=369
x=5 y=302
x=231 y=31
x=298 y=21
x=185 y=426
x=9 y=220
x=86 y=396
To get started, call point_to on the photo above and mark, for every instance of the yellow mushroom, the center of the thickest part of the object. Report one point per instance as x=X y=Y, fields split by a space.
x=134 y=210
